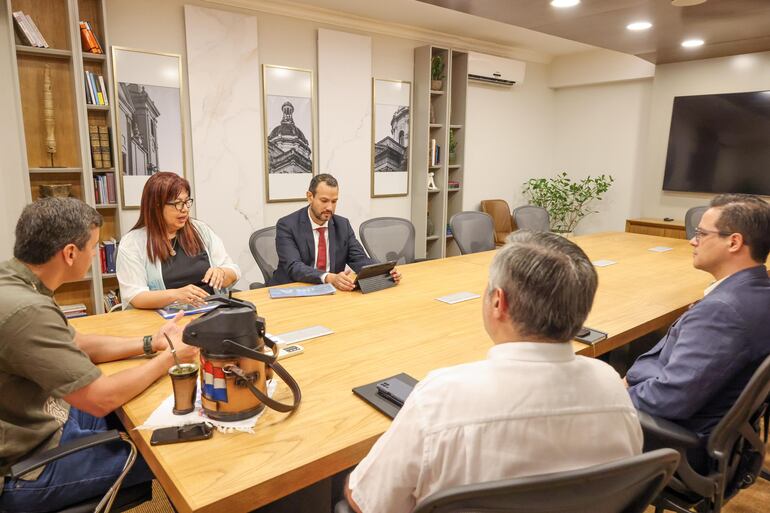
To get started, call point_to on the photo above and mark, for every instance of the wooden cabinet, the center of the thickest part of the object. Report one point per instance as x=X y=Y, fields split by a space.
x=50 y=90
x=651 y=226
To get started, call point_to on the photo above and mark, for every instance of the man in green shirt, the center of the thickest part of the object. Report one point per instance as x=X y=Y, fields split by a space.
x=52 y=391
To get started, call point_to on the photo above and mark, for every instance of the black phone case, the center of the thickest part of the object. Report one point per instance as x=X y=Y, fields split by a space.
x=173 y=435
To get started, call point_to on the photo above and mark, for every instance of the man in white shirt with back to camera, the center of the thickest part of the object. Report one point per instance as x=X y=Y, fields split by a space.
x=532 y=407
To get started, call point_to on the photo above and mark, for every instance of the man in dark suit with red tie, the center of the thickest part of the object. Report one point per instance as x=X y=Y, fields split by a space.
x=314 y=244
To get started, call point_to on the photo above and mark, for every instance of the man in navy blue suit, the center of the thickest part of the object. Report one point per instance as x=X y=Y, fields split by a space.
x=314 y=244
x=695 y=374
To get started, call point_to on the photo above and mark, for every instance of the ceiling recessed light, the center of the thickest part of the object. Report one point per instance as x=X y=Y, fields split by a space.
x=564 y=3
x=639 y=25
x=692 y=43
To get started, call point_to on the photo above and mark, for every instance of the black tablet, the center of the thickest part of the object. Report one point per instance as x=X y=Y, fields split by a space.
x=374 y=270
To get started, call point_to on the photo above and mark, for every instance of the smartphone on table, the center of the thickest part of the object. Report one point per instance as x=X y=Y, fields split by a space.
x=176 y=434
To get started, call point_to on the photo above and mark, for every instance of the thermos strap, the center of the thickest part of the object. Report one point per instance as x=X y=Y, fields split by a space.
x=284 y=374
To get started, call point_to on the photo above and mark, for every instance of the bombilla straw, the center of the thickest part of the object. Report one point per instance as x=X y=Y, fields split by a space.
x=173 y=351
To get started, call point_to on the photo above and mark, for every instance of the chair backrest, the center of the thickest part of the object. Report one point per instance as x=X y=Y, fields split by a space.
x=738 y=433
x=532 y=218
x=692 y=219
x=473 y=231
x=262 y=246
x=388 y=238
x=623 y=486
x=501 y=217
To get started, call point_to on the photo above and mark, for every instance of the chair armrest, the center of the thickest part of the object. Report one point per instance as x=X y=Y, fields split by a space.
x=257 y=285
x=668 y=433
x=46 y=457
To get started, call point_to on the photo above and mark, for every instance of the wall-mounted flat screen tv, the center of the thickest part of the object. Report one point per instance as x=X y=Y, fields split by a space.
x=719 y=143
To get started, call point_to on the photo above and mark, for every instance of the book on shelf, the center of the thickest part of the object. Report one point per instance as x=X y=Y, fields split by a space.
x=27 y=30
x=96 y=92
x=74 y=310
x=453 y=184
x=104 y=189
x=109 y=255
x=434 y=153
x=111 y=299
x=88 y=39
x=101 y=148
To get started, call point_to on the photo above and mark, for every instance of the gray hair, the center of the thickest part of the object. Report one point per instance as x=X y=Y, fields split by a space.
x=46 y=226
x=322 y=178
x=549 y=284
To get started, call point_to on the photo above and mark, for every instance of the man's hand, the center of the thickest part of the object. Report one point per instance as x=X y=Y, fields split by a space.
x=395 y=275
x=190 y=294
x=170 y=328
x=341 y=281
x=185 y=353
x=215 y=277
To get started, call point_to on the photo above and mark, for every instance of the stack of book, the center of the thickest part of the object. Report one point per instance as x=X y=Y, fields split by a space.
x=96 y=92
x=101 y=150
x=108 y=250
x=74 y=310
x=88 y=39
x=453 y=184
x=104 y=189
x=27 y=31
x=434 y=154
x=111 y=298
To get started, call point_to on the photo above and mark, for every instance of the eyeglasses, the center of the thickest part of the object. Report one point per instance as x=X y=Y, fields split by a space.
x=180 y=205
x=700 y=233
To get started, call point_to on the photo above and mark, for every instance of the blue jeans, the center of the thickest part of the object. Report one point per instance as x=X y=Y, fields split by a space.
x=77 y=477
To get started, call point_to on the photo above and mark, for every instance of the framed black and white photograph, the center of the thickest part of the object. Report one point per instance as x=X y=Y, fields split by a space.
x=150 y=133
x=289 y=132
x=391 y=129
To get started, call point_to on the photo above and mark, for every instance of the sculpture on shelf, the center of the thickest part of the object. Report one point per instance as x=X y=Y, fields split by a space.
x=430 y=229
x=431 y=182
x=49 y=116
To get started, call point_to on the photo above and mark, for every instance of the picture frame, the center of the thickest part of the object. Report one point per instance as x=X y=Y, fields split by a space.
x=150 y=132
x=288 y=102
x=391 y=137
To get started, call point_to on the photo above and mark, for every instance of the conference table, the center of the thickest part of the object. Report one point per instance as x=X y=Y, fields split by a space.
x=377 y=335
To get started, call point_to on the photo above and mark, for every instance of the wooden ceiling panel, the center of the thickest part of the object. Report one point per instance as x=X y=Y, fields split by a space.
x=728 y=27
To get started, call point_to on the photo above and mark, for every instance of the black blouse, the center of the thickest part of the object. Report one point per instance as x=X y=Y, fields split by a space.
x=182 y=269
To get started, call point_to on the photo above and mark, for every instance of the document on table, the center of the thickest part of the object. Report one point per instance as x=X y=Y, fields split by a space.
x=603 y=263
x=306 y=291
x=457 y=297
x=292 y=337
x=660 y=249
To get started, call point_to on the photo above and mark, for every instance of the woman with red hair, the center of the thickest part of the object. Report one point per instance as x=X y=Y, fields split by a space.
x=168 y=257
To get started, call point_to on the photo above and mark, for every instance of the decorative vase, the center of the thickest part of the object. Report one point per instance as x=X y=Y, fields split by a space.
x=429 y=228
x=62 y=190
x=436 y=85
x=452 y=157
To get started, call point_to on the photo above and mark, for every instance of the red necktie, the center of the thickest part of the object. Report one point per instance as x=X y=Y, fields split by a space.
x=321 y=260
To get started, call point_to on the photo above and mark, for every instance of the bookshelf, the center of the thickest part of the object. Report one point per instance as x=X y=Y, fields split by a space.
x=63 y=64
x=438 y=114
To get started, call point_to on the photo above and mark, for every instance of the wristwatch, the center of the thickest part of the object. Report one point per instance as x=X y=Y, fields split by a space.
x=148 y=351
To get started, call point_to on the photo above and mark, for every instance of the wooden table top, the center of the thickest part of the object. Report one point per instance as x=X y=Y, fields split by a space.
x=402 y=329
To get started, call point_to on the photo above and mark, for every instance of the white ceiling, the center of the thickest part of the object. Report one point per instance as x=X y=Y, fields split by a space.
x=422 y=16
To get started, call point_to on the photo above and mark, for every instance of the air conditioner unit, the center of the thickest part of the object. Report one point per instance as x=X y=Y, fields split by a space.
x=495 y=70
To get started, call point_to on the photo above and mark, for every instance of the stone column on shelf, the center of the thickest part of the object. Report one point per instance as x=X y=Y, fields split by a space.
x=49 y=115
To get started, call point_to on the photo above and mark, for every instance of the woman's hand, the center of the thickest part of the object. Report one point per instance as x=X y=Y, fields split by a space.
x=215 y=277
x=190 y=294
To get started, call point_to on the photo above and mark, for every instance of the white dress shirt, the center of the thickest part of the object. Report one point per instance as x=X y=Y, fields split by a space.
x=316 y=236
x=529 y=408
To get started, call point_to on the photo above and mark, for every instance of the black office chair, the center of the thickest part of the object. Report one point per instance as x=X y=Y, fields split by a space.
x=473 y=231
x=262 y=246
x=734 y=452
x=532 y=218
x=123 y=499
x=692 y=219
x=388 y=238
x=623 y=486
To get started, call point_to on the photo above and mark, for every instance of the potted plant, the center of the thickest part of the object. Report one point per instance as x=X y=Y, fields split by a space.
x=566 y=201
x=437 y=73
x=452 y=147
